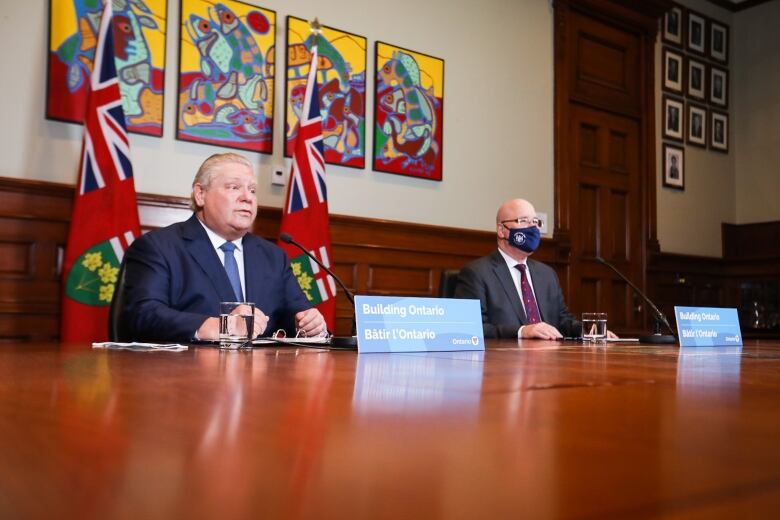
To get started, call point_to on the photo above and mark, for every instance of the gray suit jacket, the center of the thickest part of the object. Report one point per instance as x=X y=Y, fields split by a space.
x=488 y=280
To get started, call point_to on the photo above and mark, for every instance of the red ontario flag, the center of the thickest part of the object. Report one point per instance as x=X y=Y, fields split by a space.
x=105 y=215
x=305 y=213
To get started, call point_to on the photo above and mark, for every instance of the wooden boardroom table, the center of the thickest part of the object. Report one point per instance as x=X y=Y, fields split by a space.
x=530 y=429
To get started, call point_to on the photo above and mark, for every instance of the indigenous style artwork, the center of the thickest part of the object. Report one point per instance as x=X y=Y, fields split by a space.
x=139 y=48
x=226 y=75
x=341 y=80
x=408 y=110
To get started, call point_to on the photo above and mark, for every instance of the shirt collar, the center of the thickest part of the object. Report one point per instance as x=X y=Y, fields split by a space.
x=217 y=241
x=511 y=262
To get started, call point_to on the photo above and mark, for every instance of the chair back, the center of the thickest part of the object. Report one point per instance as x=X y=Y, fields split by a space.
x=447 y=282
x=115 y=332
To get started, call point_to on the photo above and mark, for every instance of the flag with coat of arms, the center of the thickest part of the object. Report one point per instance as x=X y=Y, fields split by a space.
x=105 y=215
x=305 y=213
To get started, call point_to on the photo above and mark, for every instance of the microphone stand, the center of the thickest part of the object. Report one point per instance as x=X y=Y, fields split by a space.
x=658 y=317
x=339 y=342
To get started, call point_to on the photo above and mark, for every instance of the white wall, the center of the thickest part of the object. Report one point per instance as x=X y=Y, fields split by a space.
x=756 y=84
x=498 y=115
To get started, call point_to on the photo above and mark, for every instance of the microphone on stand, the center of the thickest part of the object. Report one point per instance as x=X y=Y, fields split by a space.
x=336 y=341
x=659 y=318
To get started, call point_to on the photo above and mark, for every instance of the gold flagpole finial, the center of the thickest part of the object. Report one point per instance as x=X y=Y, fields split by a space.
x=316 y=29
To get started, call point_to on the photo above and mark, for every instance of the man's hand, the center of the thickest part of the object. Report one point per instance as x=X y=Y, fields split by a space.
x=311 y=322
x=611 y=335
x=261 y=322
x=209 y=330
x=540 y=330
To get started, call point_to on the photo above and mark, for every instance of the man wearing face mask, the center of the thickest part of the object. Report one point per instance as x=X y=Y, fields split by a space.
x=520 y=297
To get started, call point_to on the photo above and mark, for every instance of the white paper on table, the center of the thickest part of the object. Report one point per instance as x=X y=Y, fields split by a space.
x=167 y=347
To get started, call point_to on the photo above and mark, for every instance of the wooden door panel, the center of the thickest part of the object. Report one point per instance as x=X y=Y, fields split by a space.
x=605 y=176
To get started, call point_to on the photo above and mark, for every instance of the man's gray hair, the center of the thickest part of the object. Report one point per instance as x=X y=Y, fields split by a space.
x=208 y=170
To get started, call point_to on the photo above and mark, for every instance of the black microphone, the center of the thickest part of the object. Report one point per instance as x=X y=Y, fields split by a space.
x=657 y=337
x=338 y=342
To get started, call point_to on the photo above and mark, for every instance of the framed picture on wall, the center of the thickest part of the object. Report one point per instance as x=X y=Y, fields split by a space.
x=719 y=131
x=697 y=80
x=674 y=167
x=341 y=81
x=408 y=112
x=696 y=42
x=672 y=71
x=719 y=86
x=673 y=26
x=673 y=118
x=697 y=125
x=719 y=42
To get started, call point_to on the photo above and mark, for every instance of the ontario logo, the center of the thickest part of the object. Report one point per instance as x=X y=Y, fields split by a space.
x=93 y=277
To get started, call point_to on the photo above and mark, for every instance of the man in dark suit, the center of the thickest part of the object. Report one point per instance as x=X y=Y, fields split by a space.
x=520 y=297
x=176 y=277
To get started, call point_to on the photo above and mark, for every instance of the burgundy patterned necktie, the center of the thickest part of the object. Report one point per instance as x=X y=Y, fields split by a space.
x=529 y=301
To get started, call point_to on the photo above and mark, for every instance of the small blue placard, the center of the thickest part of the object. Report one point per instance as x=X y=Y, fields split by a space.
x=707 y=326
x=400 y=324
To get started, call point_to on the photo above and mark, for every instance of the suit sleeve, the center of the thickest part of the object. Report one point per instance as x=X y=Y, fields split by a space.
x=148 y=314
x=472 y=286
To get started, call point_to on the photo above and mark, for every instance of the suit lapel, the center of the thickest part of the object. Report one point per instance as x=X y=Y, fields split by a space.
x=200 y=249
x=507 y=283
x=253 y=269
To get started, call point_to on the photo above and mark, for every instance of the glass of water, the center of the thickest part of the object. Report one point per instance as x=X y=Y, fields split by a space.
x=594 y=326
x=236 y=324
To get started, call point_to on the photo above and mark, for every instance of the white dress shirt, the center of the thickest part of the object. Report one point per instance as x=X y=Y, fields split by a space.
x=217 y=241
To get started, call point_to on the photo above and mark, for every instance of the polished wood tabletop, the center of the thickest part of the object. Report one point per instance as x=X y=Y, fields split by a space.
x=528 y=429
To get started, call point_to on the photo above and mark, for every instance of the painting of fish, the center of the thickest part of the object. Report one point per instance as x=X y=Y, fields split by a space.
x=226 y=74
x=139 y=49
x=408 y=112
x=341 y=80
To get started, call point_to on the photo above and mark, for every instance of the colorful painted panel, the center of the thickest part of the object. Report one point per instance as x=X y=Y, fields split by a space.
x=139 y=48
x=342 y=86
x=226 y=75
x=408 y=110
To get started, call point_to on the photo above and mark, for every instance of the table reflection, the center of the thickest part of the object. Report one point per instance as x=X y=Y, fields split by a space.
x=418 y=382
x=704 y=369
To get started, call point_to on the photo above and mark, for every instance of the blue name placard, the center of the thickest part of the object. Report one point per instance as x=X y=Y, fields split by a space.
x=399 y=324
x=707 y=326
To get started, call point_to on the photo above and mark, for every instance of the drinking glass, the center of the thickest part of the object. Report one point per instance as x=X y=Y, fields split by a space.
x=236 y=324
x=594 y=326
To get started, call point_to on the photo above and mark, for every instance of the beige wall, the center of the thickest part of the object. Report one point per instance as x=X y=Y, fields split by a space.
x=498 y=115
x=756 y=84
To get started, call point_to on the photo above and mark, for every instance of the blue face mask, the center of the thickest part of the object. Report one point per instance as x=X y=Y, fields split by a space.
x=525 y=239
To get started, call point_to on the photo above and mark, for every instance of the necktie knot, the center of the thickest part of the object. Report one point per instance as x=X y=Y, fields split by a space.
x=228 y=247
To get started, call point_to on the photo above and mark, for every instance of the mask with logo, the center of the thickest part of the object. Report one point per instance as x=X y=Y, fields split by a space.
x=525 y=239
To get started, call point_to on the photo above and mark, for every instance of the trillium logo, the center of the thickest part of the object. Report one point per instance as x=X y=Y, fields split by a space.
x=520 y=238
x=474 y=340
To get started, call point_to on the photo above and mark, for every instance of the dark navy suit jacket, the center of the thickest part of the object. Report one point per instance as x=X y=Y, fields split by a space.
x=488 y=280
x=174 y=280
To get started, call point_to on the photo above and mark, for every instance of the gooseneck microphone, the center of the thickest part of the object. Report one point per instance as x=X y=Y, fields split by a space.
x=659 y=318
x=338 y=342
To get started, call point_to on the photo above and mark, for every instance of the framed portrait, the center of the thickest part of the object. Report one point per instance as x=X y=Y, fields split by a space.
x=674 y=167
x=226 y=75
x=140 y=27
x=673 y=71
x=719 y=131
x=673 y=118
x=341 y=84
x=696 y=133
x=719 y=42
x=696 y=83
x=673 y=26
x=696 y=41
x=719 y=86
x=408 y=112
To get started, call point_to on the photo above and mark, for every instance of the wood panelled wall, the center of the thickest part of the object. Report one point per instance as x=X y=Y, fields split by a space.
x=376 y=257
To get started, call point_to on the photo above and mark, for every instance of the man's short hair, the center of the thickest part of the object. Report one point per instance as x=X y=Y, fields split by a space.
x=208 y=171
